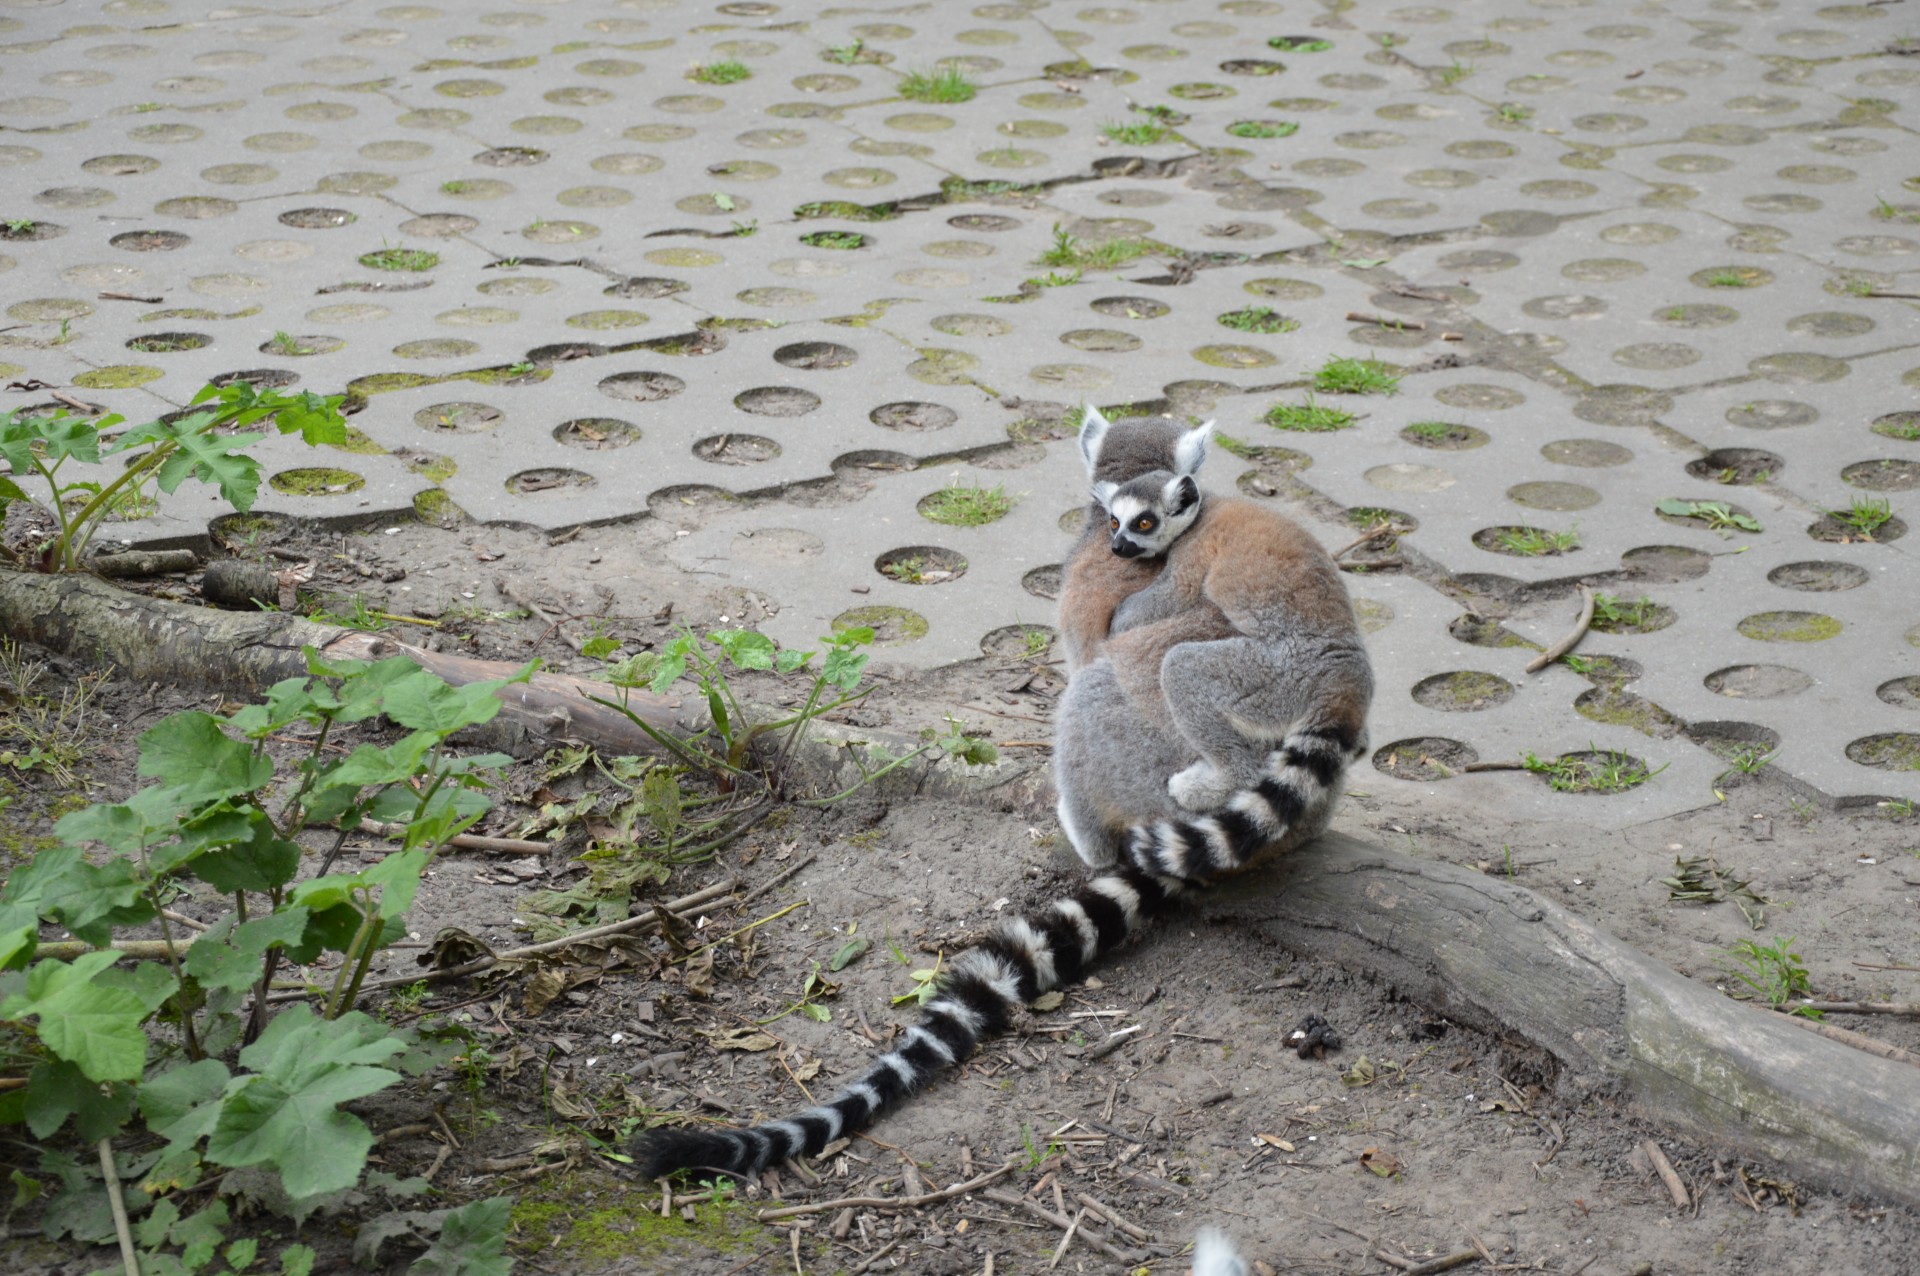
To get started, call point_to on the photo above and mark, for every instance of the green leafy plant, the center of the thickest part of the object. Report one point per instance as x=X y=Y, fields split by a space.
x=24 y=225
x=1512 y=113
x=1355 y=376
x=1867 y=515
x=1603 y=771
x=83 y=1027
x=162 y=453
x=845 y=54
x=1036 y=1153
x=926 y=981
x=1699 y=880
x=1773 y=973
x=968 y=505
x=1263 y=128
x=1611 y=613
x=1435 y=430
x=1746 y=278
x=1052 y=279
x=944 y=84
x=1717 y=515
x=841 y=239
x=1453 y=74
x=1536 y=542
x=1070 y=250
x=1142 y=132
x=1257 y=319
x=414 y=259
x=1299 y=44
x=726 y=71
x=1310 y=417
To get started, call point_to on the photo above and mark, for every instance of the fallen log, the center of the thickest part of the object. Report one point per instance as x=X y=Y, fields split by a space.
x=242 y=653
x=1499 y=958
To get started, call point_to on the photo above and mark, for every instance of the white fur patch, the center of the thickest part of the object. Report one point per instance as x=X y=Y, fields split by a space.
x=1127 y=508
x=831 y=1116
x=1089 y=933
x=868 y=1095
x=793 y=1132
x=1038 y=950
x=939 y=1047
x=959 y=1012
x=1120 y=893
x=901 y=1068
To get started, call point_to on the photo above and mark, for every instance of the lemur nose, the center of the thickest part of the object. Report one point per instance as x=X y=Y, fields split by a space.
x=1127 y=549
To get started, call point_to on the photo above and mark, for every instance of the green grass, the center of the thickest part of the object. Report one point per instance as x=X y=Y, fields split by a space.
x=455 y=187
x=1867 y=515
x=1772 y=973
x=1733 y=278
x=1308 y=417
x=1137 y=132
x=1258 y=319
x=1604 y=772
x=1355 y=376
x=726 y=71
x=1611 y=613
x=945 y=84
x=1433 y=429
x=843 y=239
x=966 y=505
x=1537 y=542
x=1908 y=430
x=1512 y=113
x=846 y=54
x=1263 y=128
x=1299 y=44
x=400 y=259
x=21 y=225
x=287 y=343
x=1070 y=250
x=1717 y=515
x=1452 y=75
x=1052 y=279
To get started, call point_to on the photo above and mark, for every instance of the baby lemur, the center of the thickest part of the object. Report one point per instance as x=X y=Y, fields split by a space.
x=1215 y=663
x=1232 y=680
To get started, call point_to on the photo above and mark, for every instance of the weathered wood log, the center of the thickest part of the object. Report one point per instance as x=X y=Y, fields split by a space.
x=1497 y=957
x=240 y=584
x=154 y=640
x=142 y=562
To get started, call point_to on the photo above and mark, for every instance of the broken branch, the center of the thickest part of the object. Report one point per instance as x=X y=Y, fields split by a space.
x=1572 y=639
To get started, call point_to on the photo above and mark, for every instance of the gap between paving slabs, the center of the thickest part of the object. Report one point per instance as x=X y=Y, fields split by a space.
x=1484 y=952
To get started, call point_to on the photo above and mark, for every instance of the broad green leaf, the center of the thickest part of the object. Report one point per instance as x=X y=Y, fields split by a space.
x=94 y=1026
x=842 y=667
x=398 y=876
x=181 y=1104
x=789 y=660
x=369 y=764
x=150 y=983
x=197 y=761
x=472 y=1242
x=1678 y=508
x=10 y=491
x=745 y=648
x=59 y=436
x=316 y=419
x=426 y=703
x=214 y=458
x=297 y=1260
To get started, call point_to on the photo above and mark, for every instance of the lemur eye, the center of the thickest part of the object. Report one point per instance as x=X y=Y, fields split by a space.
x=1113 y=524
x=1144 y=523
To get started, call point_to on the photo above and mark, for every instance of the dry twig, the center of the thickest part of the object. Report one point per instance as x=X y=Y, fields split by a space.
x=889 y=1202
x=1572 y=639
x=1664 y=1168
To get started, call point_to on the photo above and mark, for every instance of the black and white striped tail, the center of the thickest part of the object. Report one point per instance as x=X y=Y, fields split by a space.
x=1300 y=778
x=978 y=995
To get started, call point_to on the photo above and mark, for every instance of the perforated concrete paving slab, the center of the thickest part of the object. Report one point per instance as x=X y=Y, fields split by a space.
x=1645 y=277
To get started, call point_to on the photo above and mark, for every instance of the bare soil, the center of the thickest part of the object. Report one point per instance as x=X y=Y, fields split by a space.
x=1415 y=1138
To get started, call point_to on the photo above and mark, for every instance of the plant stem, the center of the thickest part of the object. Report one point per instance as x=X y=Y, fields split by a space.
x=865 y=780
x=110 y=1179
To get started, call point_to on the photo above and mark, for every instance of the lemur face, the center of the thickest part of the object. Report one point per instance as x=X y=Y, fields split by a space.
x=1145 y=516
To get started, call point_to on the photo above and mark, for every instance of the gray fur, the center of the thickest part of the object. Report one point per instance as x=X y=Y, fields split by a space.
x=1241 y=726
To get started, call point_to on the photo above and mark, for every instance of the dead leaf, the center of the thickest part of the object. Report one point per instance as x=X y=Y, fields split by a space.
x=1385 y=1164
x=697 y=973
x=545 y=985
x=452 y=946
x=1049 y=1001
x=1361 y=1073
x=1275 y=1141
x=742 y=1039
x=807 y=1071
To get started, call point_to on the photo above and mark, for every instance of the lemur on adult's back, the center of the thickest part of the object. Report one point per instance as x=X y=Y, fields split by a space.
x=1233 y=682
x=1214 y=661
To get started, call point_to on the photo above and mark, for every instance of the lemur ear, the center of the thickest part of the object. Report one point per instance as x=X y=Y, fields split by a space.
x=1103 y=492
x=1190 y=451
x=1180 y=495
x=1093 y=428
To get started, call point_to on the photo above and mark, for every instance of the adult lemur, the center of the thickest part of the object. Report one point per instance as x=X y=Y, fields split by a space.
x=1216 y=668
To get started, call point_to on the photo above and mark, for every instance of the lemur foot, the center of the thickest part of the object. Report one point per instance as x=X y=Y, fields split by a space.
x=1200 y=787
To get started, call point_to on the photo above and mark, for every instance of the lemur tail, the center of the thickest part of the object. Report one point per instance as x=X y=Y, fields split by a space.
x=1026 y=957
x=1299 y=781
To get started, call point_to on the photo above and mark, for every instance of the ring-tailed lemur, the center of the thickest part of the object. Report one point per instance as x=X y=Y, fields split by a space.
x=1128 y=629
x=1233 y=682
